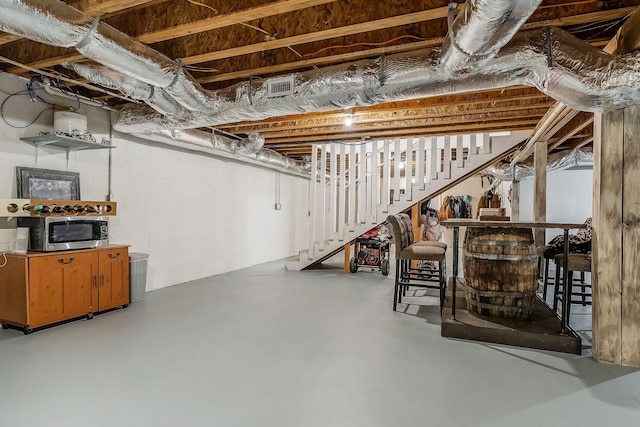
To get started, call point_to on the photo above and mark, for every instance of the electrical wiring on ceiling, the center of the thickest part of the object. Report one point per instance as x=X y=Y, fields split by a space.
x=574 y=3
x=384 y=43
x=269 y=36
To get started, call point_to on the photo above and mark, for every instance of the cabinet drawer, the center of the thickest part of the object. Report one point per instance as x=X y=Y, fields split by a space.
x=59 y=260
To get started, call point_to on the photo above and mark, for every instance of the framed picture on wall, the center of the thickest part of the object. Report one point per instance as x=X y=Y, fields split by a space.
x=47 y=184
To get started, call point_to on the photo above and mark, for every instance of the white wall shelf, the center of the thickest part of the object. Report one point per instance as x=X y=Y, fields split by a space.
x=68 y=143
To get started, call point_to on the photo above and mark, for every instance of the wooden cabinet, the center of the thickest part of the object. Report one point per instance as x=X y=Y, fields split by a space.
x=113 y=287
x=38 y=289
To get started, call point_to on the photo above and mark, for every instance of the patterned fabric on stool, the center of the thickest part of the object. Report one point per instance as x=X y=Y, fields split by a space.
x=409 y=226
x=575 y=262
x=407 y=251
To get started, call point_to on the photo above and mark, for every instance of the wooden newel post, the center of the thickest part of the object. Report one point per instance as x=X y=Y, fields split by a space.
x=616 y=237
x=540 y=190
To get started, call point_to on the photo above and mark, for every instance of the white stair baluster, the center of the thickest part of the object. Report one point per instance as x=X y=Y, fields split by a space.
x=352 y=187
x=312 y=200
x=420 y=166
x=473 y=150
x=342 y=193
x=434 y=159
x=397 y=156
x=375 y=181
x=446 y=163
x=362 y=183
x=408 y=170
x=486 y=143
x=459 y=151
x=322 y=202
x=333 y=192
x=386 y=177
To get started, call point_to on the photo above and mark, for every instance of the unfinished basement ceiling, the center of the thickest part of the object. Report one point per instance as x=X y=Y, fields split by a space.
x=225 y=43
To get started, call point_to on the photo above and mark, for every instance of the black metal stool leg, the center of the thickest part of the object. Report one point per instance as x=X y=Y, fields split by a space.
x=545 y=279
x=570 y=296
x=556 y=289
x=397 y=283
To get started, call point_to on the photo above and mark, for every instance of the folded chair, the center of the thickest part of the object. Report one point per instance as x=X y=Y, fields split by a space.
x=406 y=251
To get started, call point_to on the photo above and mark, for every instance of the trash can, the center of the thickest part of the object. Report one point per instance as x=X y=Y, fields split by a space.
x=137 y=276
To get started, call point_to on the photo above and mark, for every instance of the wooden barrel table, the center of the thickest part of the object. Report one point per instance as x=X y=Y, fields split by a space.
x=500 y=271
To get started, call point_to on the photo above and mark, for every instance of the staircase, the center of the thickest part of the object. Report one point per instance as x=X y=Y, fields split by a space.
x=354 y=187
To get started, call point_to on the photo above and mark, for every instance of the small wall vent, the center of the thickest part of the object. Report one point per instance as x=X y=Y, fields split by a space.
x=280 y=86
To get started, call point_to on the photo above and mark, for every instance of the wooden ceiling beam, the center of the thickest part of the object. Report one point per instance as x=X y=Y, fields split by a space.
x=395 y=21
x=585 y=141
x=95 y=8
x=585 y=18
x=363 y=125
x=324 y=60
x=372 y=117
x=416 y=132
x=220 y=21
x=571 y=131
x=347 y=30
x=228 y=19
x=521 y=93
x=327 y=131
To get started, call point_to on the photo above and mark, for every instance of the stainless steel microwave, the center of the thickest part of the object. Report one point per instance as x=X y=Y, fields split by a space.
x=52 y=233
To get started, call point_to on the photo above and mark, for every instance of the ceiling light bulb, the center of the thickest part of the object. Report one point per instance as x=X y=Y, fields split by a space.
x=348 y=121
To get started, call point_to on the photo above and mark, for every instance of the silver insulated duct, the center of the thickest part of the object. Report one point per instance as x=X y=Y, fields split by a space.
x=480 y=30
x=480 y=55
x=556 y=162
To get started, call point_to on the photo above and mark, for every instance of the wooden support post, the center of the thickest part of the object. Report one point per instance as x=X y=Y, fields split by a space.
x=540 y=190
x=415 y=223
x=515 y=200
x=347 y=257
x=616 y=237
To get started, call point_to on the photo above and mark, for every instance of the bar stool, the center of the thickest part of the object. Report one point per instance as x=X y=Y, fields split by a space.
x=575 y=262
x=545 y=253
x=407 y=251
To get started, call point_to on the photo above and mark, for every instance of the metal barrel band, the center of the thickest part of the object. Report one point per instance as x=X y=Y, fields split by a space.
x=483 y=293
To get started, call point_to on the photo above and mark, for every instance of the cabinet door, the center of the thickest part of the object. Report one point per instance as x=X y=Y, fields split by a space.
x=114 y=278
x=62 y=286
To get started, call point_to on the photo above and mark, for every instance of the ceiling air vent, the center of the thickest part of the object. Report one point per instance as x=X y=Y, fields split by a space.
x=280 y=86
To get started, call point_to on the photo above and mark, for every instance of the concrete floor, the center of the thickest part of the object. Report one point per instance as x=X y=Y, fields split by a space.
x=267 y=347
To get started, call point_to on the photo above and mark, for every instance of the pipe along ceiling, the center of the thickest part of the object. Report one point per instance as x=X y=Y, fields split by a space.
x=482 y=51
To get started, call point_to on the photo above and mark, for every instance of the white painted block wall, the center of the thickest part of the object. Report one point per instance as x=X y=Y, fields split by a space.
x=196 y=215
x=569 y=198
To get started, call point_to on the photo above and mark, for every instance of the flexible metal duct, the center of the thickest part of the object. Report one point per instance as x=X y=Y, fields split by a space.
x=557 y=63
x=55 y=23
x=153 y=96
x=571 y=71
x=480 y=30
x=218 y=145
x=555 y=162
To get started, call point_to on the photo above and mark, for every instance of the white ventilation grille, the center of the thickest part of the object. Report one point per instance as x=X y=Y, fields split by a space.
x=280 y=87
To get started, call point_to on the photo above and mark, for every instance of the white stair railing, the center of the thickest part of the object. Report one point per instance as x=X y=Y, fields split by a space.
x=354 y=187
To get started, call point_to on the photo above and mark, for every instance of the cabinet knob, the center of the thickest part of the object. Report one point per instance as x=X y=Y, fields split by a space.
x=113 y=256
x=95 y=281
x=69 y=261
x=102 y=280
